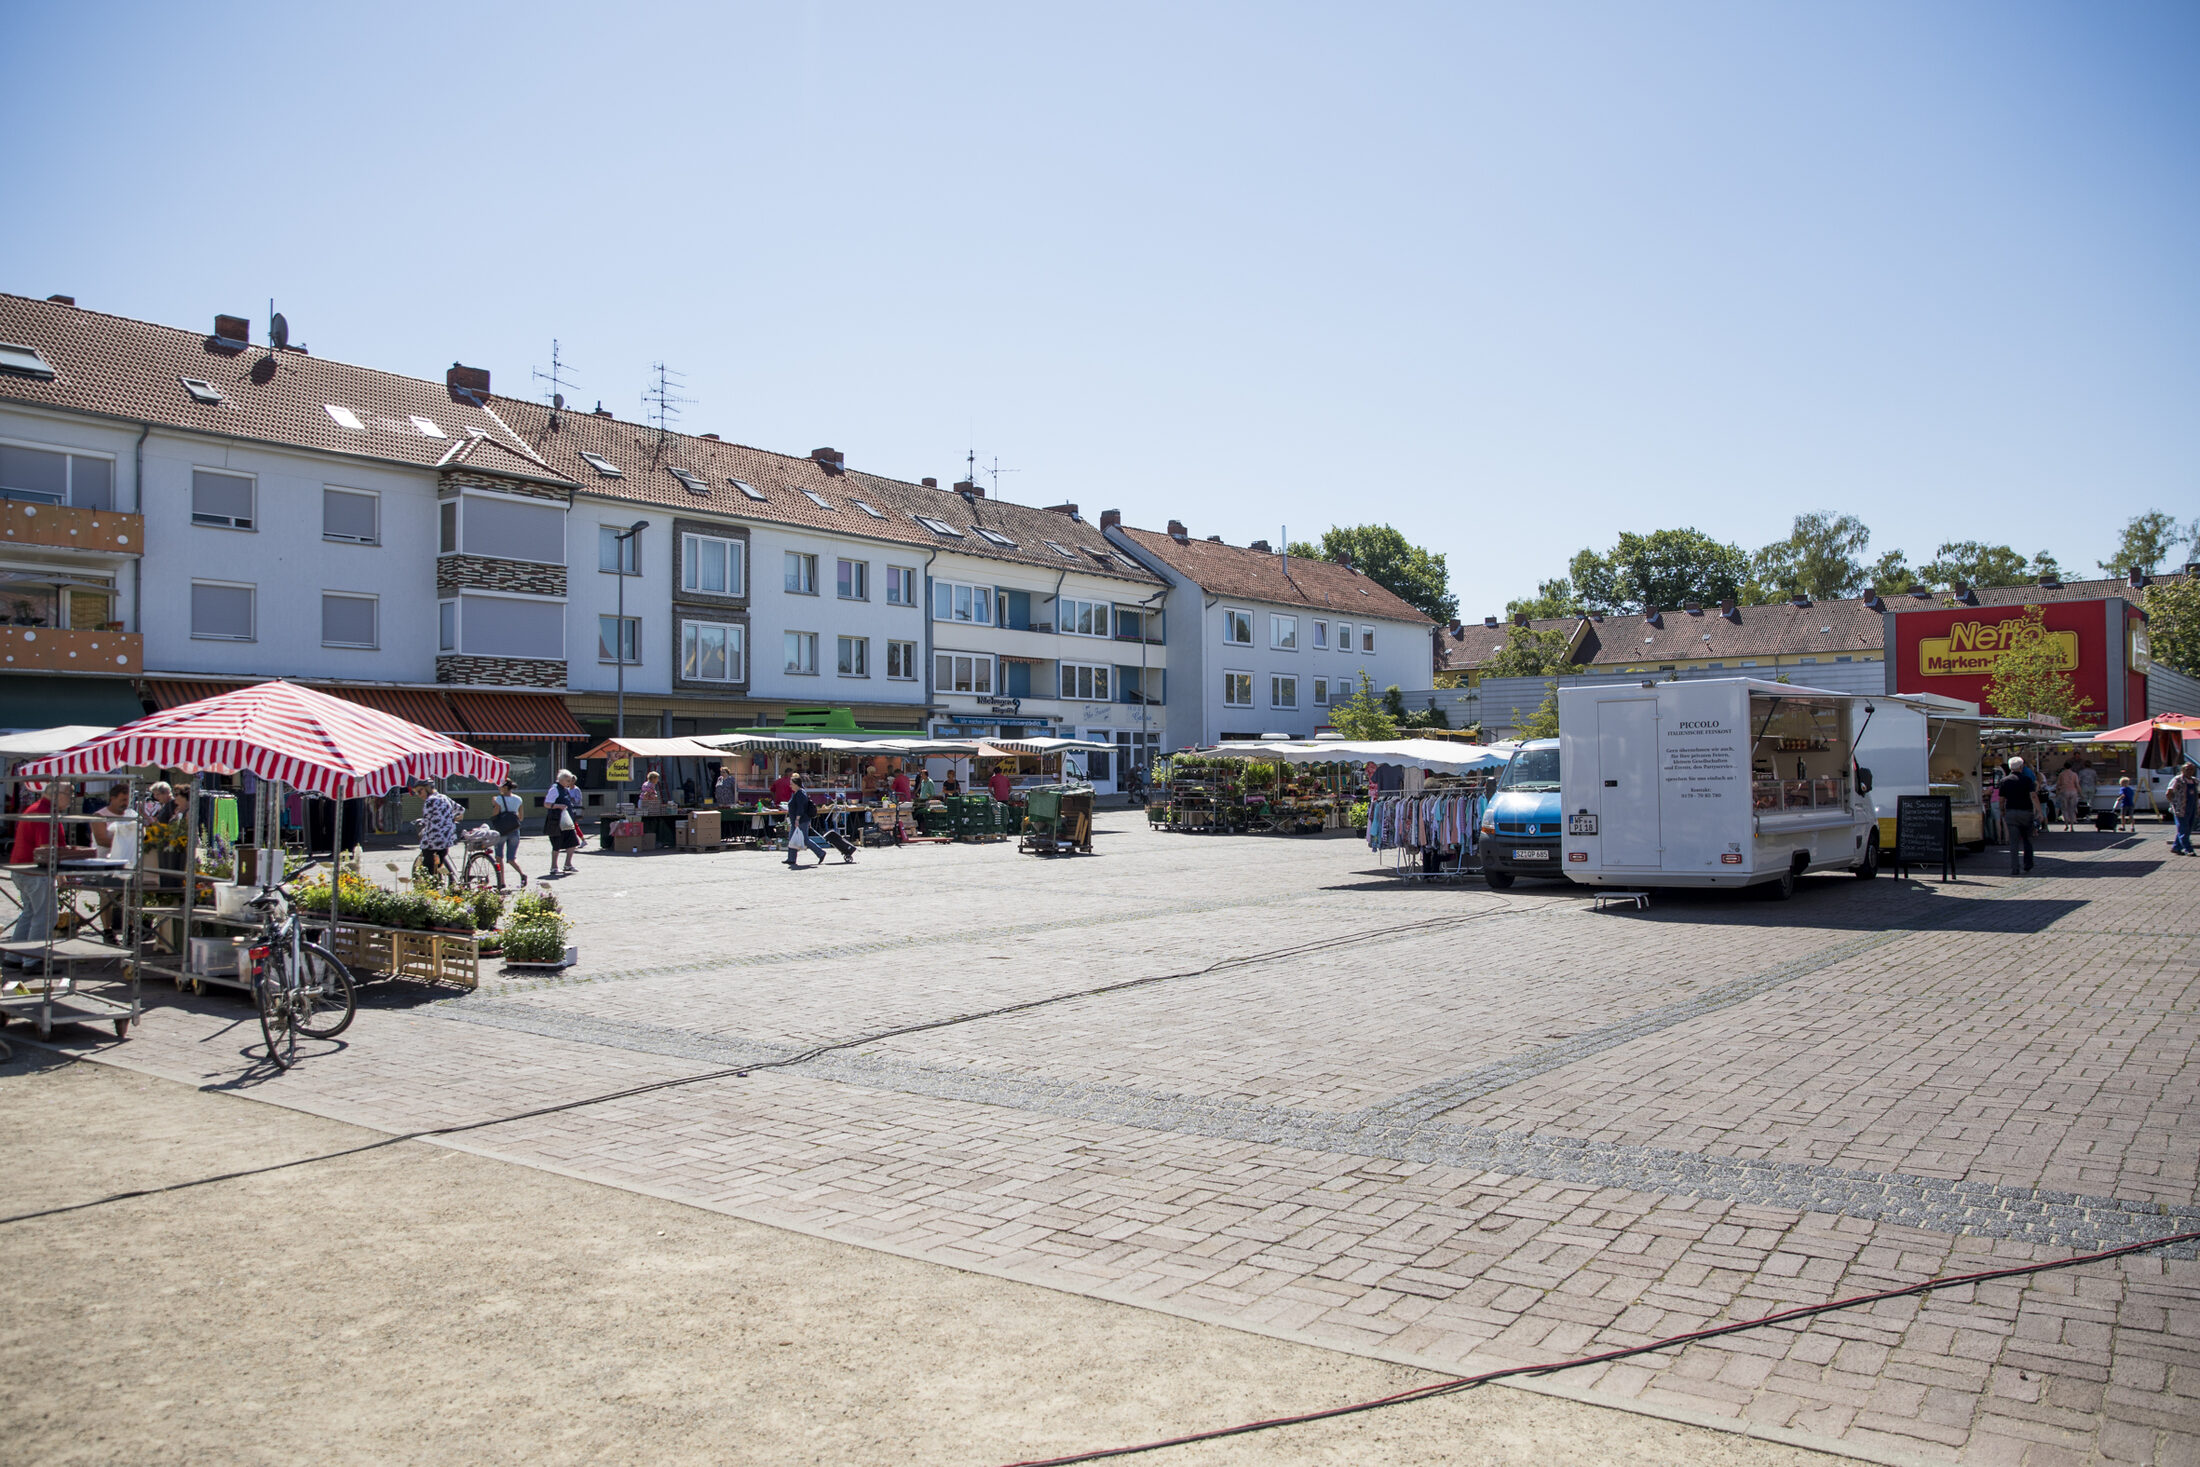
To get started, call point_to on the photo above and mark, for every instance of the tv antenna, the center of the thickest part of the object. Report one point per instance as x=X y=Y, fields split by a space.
x=555 y=377
x=996 y=471
x=663 y=399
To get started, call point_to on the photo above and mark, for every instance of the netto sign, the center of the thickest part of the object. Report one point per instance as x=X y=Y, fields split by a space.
x=1970 y=648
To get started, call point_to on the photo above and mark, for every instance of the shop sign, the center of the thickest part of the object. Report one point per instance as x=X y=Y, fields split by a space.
x=1970 y=648
x=619 y=770
x=2142 y=648
x=1003 y=705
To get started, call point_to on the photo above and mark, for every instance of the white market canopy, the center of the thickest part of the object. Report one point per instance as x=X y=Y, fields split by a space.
x=32 y=743
x=1441 y=756
x=992 y=747
x=651 y=749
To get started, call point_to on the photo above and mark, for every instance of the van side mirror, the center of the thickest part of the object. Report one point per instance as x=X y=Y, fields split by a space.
x=1863 y=780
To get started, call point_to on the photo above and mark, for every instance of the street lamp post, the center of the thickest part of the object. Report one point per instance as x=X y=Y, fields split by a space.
x=618 y=624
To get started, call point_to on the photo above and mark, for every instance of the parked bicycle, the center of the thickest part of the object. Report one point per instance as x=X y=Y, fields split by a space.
x=300 y=987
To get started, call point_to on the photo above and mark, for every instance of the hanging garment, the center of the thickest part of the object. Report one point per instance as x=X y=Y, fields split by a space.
x=1443 y=819
x=225 y=817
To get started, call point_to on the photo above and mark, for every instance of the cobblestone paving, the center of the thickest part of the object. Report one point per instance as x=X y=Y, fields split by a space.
x=1259 y=1081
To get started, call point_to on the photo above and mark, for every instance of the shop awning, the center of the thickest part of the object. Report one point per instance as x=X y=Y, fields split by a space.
x=423 y=706
x=2139 y=733
x=35 y=701
x=167 y=693
x=758 y=744
x=515 y=716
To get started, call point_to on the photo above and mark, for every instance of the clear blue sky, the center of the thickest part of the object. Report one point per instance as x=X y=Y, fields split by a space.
x=1511 y=277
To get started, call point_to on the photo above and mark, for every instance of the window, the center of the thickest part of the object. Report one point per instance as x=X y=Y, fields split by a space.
x=1237 y=629
x=513 y=529
x=615 y=556
x=802 y=575
x=1059 y=549
x=993 y=535
x=1283 y=633
x=712 y=652
x=853 y=578
x=901 y=660
x=618 y=639
x=1085 y=683
x=343 y=417
x=221 y=611
x=747 y=488
x=351 y=516
x=1085 y=618
x=23 y=360
x=347 y=620
x=855 y=657
x=817 y=499
x=938 y=527
x=1237 y=690
x=223 y=501
x=446 y=623
x=602 y=465
x=710 y=566
x=1344 y=636
x=953 y=601
x=1321 y=689
x=901 y=586
x=1283 y=692
x=1321 y=639
x=1367 y=639
x=427 y=426
x=963 y=672
x=876 y=514
x=802 y=653
x=693 y=482
x=447 y=527
x=56 y=478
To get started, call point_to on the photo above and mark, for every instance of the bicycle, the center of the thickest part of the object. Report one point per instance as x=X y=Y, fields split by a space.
x=299 y=986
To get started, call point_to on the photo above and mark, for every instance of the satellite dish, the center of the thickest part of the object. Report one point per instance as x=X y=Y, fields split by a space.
x=557 y=399
x=278 y=332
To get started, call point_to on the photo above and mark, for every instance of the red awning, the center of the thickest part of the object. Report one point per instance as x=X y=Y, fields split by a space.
x=2139 y=733
x=168 y=694
x=423 y=706
x=516 y=716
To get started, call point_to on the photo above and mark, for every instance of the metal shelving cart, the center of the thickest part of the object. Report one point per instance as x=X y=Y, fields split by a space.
x=59 y=992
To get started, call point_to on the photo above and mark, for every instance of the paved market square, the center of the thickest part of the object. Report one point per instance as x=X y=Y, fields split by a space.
x=1261 y=1081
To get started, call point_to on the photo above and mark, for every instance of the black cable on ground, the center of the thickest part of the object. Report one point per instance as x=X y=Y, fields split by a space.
x=743 y=1071
x=1468 y=1382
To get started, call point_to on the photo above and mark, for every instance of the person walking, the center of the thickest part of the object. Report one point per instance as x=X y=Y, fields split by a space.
x=562 y=820
x=2127 y=805
x=504 y=820
x=2066 y=794
x=2184 y=807
x=2018 y=806
x=800 y=812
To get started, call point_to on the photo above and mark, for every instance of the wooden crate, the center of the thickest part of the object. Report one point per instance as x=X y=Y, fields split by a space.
x=429 y=957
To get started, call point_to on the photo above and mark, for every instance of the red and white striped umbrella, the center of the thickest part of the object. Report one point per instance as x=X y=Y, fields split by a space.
x=283 y=732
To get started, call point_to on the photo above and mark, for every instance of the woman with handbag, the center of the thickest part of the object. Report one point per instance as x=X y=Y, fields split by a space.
x=505 y=822
x=563 y=822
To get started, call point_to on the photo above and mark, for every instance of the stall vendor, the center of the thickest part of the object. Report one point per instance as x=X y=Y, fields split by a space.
x=1001 y=785
x=782 y=789
x=901 y=786
x=33 y=885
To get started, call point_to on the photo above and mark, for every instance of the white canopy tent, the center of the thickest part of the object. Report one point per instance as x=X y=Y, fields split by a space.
x=1438 y=755
x=38 y=742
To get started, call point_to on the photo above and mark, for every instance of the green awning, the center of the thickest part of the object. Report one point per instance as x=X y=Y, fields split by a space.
x=31 y=700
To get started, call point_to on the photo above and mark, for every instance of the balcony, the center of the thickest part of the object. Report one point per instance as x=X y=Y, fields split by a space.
x=60 y=649
x=63 y=527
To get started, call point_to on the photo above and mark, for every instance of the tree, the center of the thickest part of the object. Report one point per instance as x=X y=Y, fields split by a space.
x=1529 y=652
x=1552 y=600
x=2173 y=624
x=1387 y=558
x=1363 y=716
x=1662 y=569
x=2148 y=540
x=1891 y=575
x=1817 y=559
x=1543 y=723
x=1971 y=563
x=2028 y=679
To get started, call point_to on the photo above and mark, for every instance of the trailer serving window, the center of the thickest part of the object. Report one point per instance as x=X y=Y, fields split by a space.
x=1800 y=760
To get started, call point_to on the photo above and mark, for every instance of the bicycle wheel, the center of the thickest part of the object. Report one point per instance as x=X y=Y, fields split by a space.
x=481 y=869
x=323 y=1001
x=275 y=1015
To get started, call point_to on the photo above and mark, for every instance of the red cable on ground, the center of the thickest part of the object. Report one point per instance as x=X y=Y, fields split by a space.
x=1467 y=1382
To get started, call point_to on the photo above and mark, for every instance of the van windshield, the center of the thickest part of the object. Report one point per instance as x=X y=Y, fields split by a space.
x=1533 y=770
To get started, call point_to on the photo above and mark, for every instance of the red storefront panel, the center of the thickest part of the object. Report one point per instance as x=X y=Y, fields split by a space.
x=1951 y=651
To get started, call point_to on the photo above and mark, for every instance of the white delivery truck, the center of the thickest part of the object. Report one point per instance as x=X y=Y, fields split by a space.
x=1724 y=782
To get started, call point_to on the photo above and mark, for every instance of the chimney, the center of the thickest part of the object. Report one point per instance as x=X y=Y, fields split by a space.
x=969 y=489
x=232 y=330
x=62 y=300
x=2051 y=581
x=1215 y=539
x=929 y=483
x=467 y=382
x=1458 y=632
x=713 y=437
x=1872 y=601
x=1726 y=609
x=1520 y=618
x=1110 y=518
x=1343 y=558
x=1964 y=594
x=1693 y=608
x=1068 y=509
x=602 y=411
x=1262 y=546
x=1490 y=622
x=1178 y=533
x=831 y=460
x=2136 y=577
x=1921 y=593
x=1653 y=617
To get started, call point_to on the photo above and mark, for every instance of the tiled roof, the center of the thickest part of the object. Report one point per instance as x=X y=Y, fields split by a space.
x=645 y=464
x=1288 y=580
x=121 y=368
x=1783 y=629
x=2033 y=595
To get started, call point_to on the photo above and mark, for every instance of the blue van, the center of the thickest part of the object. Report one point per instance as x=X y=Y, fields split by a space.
x=1520 y=826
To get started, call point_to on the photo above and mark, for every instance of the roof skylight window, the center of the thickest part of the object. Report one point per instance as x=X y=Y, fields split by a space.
x=1134 y=565
x=1060 y=549
x=938 y=527
x=875 y=514
x=816 y=498
x=695 y=482
x=201 y=390
x=603 y=465
x=344 y=417
x=995 y=536
x=427 y=427
x=23 y=360
x=747 y=488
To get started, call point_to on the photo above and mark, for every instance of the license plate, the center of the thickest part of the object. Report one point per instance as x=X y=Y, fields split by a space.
x=1534 y=855
x=1581 y=825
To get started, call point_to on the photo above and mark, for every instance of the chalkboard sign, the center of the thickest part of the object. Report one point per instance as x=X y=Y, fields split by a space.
x=1925 y=833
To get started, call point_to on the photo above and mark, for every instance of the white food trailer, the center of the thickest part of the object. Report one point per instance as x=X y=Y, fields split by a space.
x=1924 y=744
x=1719 y=782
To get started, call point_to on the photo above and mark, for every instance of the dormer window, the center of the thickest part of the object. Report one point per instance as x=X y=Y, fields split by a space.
x=603 y=465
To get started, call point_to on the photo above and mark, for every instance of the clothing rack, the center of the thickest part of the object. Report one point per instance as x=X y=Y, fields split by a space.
x=1445 y=814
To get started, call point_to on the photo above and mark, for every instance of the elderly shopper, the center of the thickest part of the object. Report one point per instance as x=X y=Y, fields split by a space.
x=562 y=821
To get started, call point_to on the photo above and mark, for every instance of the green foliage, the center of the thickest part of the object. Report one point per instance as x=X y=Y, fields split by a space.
x=1358 y=815
x=540 y=939
x=539 y=902
x=1543 y=723
x=1972 y=563
x=1530 y=653
x=487 y=907
x=2173 y=624
x=2149 y=539
x=1553 y=599
x=1890 y=575
x=2025 y=680
x=1819 y=558
x=1394 y=703
x=1363 y=717
x=1661 y=569
x=1387 y=558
